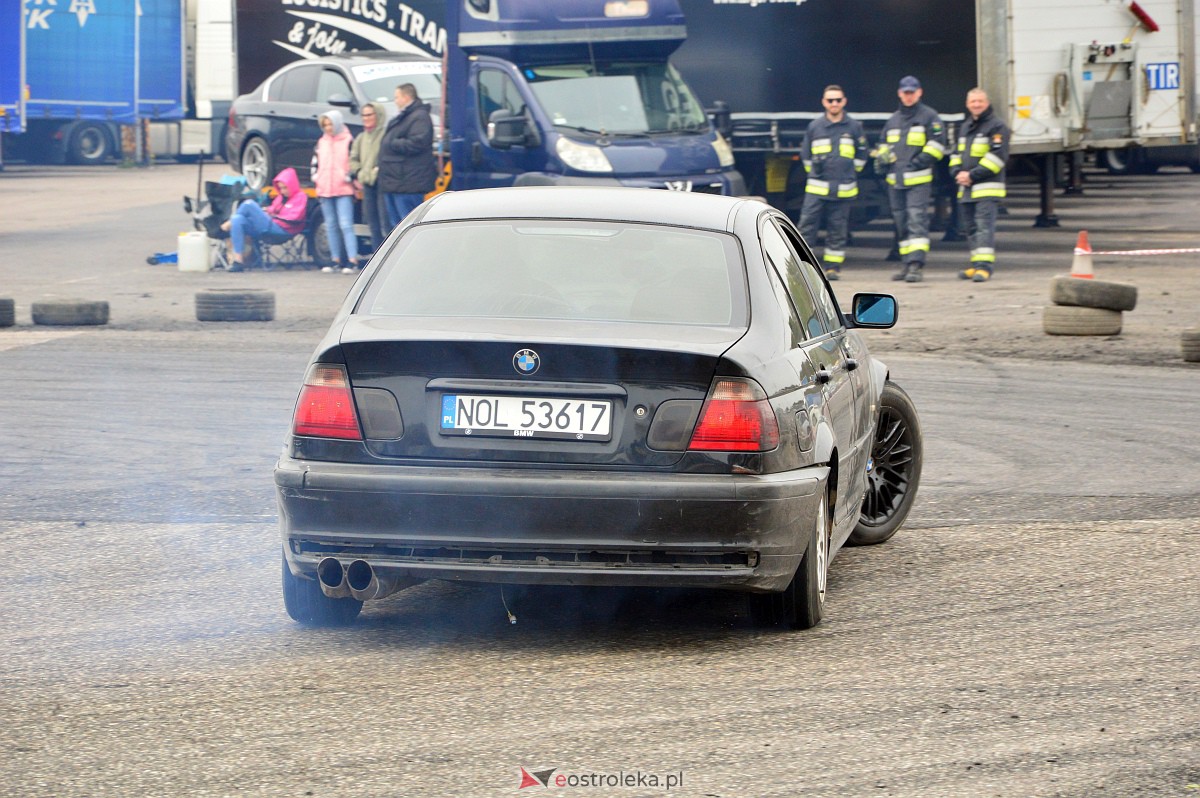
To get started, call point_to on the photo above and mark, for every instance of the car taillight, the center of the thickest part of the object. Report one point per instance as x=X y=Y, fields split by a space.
x=736 y=418
x=325 y=408
x=232 y=118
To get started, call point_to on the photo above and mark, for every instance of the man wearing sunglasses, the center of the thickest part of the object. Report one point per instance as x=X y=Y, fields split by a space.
x=834 y=151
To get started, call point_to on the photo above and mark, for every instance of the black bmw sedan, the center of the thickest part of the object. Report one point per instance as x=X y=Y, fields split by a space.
x=592 y=386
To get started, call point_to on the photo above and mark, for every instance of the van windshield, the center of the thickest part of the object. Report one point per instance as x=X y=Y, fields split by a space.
x=632 y=98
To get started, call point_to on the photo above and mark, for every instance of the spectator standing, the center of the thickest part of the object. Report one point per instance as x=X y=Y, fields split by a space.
x=407 y=169
x=282 y=219
x=834 y=151
x=914 y=139
x=335 y=190
x=978 y=168
x=364 y=166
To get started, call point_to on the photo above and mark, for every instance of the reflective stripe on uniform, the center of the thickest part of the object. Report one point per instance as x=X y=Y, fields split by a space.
x=834 y=256
x=914 y=245
x=892 y=136
x=846 y=148
x=822 y=146
x=818 y=187
x=916 y=136
x=847 y=190
x=992 y=163
x=808 y=166
x=955 y=161
x=918 y=178
x=983 y=255
x=859 y=164
x=987 y=190
x=891 y=179
x=935 y=148
x=979 y=146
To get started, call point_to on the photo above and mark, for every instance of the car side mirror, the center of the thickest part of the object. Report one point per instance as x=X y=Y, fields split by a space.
x=340 y=100
x=506 y=129
x=877 y=311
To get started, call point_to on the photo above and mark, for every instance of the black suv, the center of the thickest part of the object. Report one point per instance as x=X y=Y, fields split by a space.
x=275 y=126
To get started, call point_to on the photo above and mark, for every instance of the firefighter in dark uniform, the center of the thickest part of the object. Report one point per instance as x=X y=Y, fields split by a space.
x=834 y=152
x=977 y=166
x=914 y=139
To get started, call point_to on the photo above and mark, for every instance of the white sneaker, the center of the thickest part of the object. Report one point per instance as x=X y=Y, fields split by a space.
x=348 y=270
x=328 y=269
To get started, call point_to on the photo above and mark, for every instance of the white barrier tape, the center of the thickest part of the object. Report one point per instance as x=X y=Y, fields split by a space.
x=1138 y=251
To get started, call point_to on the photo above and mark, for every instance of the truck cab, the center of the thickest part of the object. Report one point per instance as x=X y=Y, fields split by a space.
x=577 y=92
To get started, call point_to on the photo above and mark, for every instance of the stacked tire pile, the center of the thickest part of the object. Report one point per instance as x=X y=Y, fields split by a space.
x=1084 y=306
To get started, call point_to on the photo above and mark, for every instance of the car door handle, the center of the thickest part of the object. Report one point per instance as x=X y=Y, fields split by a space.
x=823 y=376
x=851 y=364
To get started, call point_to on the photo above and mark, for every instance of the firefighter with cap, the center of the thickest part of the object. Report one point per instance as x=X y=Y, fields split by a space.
x=977 y=165
x=914 y=139
x=834 y=151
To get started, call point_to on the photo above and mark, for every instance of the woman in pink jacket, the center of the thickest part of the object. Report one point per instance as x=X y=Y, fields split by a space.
x=282 y=219
x=335 y=190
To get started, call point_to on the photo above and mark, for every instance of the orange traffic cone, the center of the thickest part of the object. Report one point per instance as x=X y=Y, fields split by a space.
x=1082 y=265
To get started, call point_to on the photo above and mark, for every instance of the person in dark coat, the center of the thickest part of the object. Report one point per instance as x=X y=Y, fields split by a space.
x=407 y=168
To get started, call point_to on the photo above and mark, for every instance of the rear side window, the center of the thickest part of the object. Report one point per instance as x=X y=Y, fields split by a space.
x=588 y=271
x=298 y=85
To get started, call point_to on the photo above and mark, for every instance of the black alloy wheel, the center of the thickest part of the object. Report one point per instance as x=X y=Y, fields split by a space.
x=894 y=471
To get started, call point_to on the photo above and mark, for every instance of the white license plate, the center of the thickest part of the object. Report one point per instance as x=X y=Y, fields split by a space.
x=527 y=417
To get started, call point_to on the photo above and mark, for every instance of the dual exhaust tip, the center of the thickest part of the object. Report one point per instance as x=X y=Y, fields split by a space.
x=358 y=580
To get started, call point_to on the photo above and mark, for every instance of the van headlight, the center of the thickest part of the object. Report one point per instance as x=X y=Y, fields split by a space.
x=723 y=150
x=583 y=157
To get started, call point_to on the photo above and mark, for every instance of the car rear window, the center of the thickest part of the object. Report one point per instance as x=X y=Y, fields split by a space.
x=588 y=271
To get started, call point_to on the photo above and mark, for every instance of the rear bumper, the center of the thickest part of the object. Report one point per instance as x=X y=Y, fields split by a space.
x=541 y=526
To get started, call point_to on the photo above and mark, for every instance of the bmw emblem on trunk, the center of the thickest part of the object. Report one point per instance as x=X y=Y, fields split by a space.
x=526 y=361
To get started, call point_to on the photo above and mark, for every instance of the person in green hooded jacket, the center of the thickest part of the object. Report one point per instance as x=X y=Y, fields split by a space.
x=364 y=166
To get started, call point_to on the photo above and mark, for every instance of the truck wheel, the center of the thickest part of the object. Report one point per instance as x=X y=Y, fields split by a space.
x=1189 y=342
x=235 y=304
x=256 y=164
x=306 y=604
x=1092 y=293
x=897 y=454
x=70 y=313
x=89 y=144
x=8 y=313
x=1070 y=320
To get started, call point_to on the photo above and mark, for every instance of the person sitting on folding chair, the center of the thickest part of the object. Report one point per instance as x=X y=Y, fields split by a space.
x=281 y=220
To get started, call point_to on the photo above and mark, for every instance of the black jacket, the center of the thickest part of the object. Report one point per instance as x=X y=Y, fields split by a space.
x=916 y=137
x=983 y=152
x=406 y=162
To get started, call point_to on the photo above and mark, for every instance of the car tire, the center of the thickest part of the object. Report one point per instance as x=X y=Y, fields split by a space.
x=256 y=164
x=1072 y=320
x=1084 y=293
x=70 y=313
x=306 y=604
x=235 y=304
x=801 y=605
x=894 y=473
x=1189 y=342
x=8 y=313
x=319 y=244
x=89 y=144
